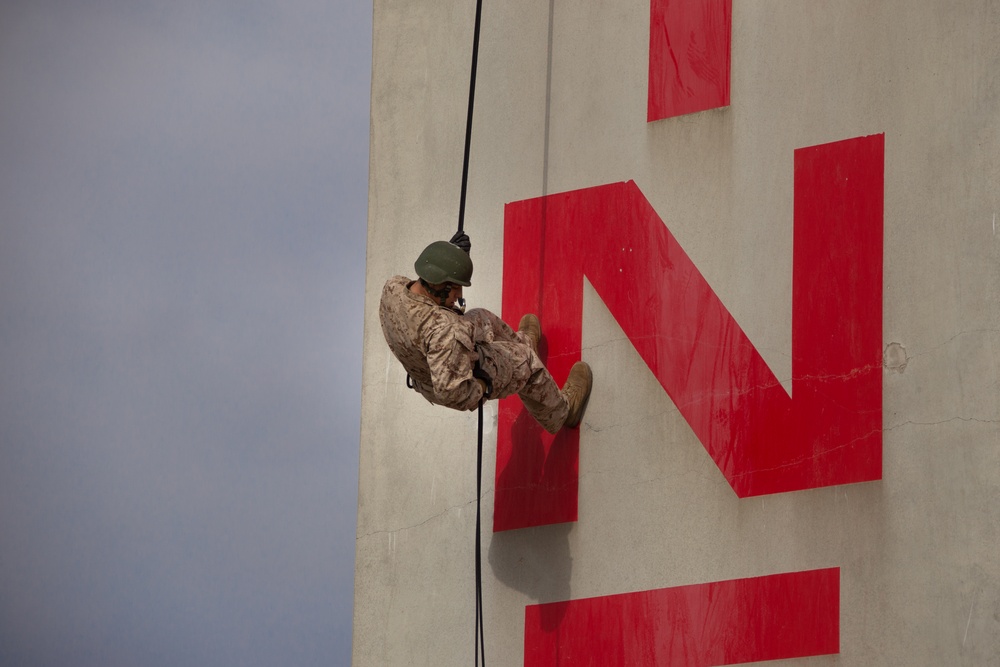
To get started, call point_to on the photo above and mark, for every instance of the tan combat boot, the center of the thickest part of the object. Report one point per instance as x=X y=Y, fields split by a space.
x=577 y=391
x=533 y=328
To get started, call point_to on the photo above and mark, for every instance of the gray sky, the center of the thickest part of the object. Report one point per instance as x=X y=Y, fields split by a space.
x=182 y=222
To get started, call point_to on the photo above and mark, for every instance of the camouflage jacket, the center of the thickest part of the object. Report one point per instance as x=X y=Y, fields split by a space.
x=436 y=345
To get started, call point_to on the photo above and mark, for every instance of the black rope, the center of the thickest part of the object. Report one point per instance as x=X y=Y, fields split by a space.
x=480 y=639
x=468 y=120
x=479 y=642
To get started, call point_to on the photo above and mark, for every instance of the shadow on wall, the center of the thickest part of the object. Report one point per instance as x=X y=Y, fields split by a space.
x=534 y=561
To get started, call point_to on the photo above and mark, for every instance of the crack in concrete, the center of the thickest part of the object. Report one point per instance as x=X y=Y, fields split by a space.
x=867 y=435
x=622 y=424
x=394 y=531
x=794 y=379
x=812 y=456
x=698 y=473
x=960 y=333
x=910 y=422
x=824 y=452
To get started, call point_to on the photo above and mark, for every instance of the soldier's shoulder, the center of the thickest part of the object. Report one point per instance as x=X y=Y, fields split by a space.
x=396 y=283
x=396 y=288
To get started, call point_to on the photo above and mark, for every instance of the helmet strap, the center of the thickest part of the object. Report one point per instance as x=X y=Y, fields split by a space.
x=440 y=294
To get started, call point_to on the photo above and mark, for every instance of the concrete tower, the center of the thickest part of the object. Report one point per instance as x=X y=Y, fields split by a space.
x=771 y=229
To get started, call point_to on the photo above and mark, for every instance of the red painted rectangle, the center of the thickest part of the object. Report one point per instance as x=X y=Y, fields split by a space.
x=774 y=617
x=689 y=56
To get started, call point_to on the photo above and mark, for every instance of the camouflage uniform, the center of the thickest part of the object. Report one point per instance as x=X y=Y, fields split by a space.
x=438 y=347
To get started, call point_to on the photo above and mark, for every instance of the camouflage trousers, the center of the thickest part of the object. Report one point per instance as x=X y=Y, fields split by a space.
x=506 y=355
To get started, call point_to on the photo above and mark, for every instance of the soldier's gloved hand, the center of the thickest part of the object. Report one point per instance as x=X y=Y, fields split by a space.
x=461 y=239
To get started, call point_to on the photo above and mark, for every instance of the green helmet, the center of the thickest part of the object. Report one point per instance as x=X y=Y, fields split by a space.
x=443 y=262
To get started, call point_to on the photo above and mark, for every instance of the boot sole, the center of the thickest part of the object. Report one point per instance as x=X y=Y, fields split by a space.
x=586 y=398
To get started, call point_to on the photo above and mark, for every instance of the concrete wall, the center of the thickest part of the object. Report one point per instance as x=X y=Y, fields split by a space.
x=561 y=105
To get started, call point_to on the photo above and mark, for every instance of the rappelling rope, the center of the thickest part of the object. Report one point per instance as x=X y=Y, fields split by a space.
x=480 y=639
x=468 y=119
x=479 y=642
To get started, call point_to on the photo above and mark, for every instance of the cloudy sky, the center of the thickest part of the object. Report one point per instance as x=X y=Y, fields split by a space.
x=182 y=239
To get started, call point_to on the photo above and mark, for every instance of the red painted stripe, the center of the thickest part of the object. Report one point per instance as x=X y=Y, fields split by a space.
x=774 y=617
x=689 y=56
x=764 y=441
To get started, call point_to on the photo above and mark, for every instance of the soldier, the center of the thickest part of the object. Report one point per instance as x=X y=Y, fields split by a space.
x=455 y=359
